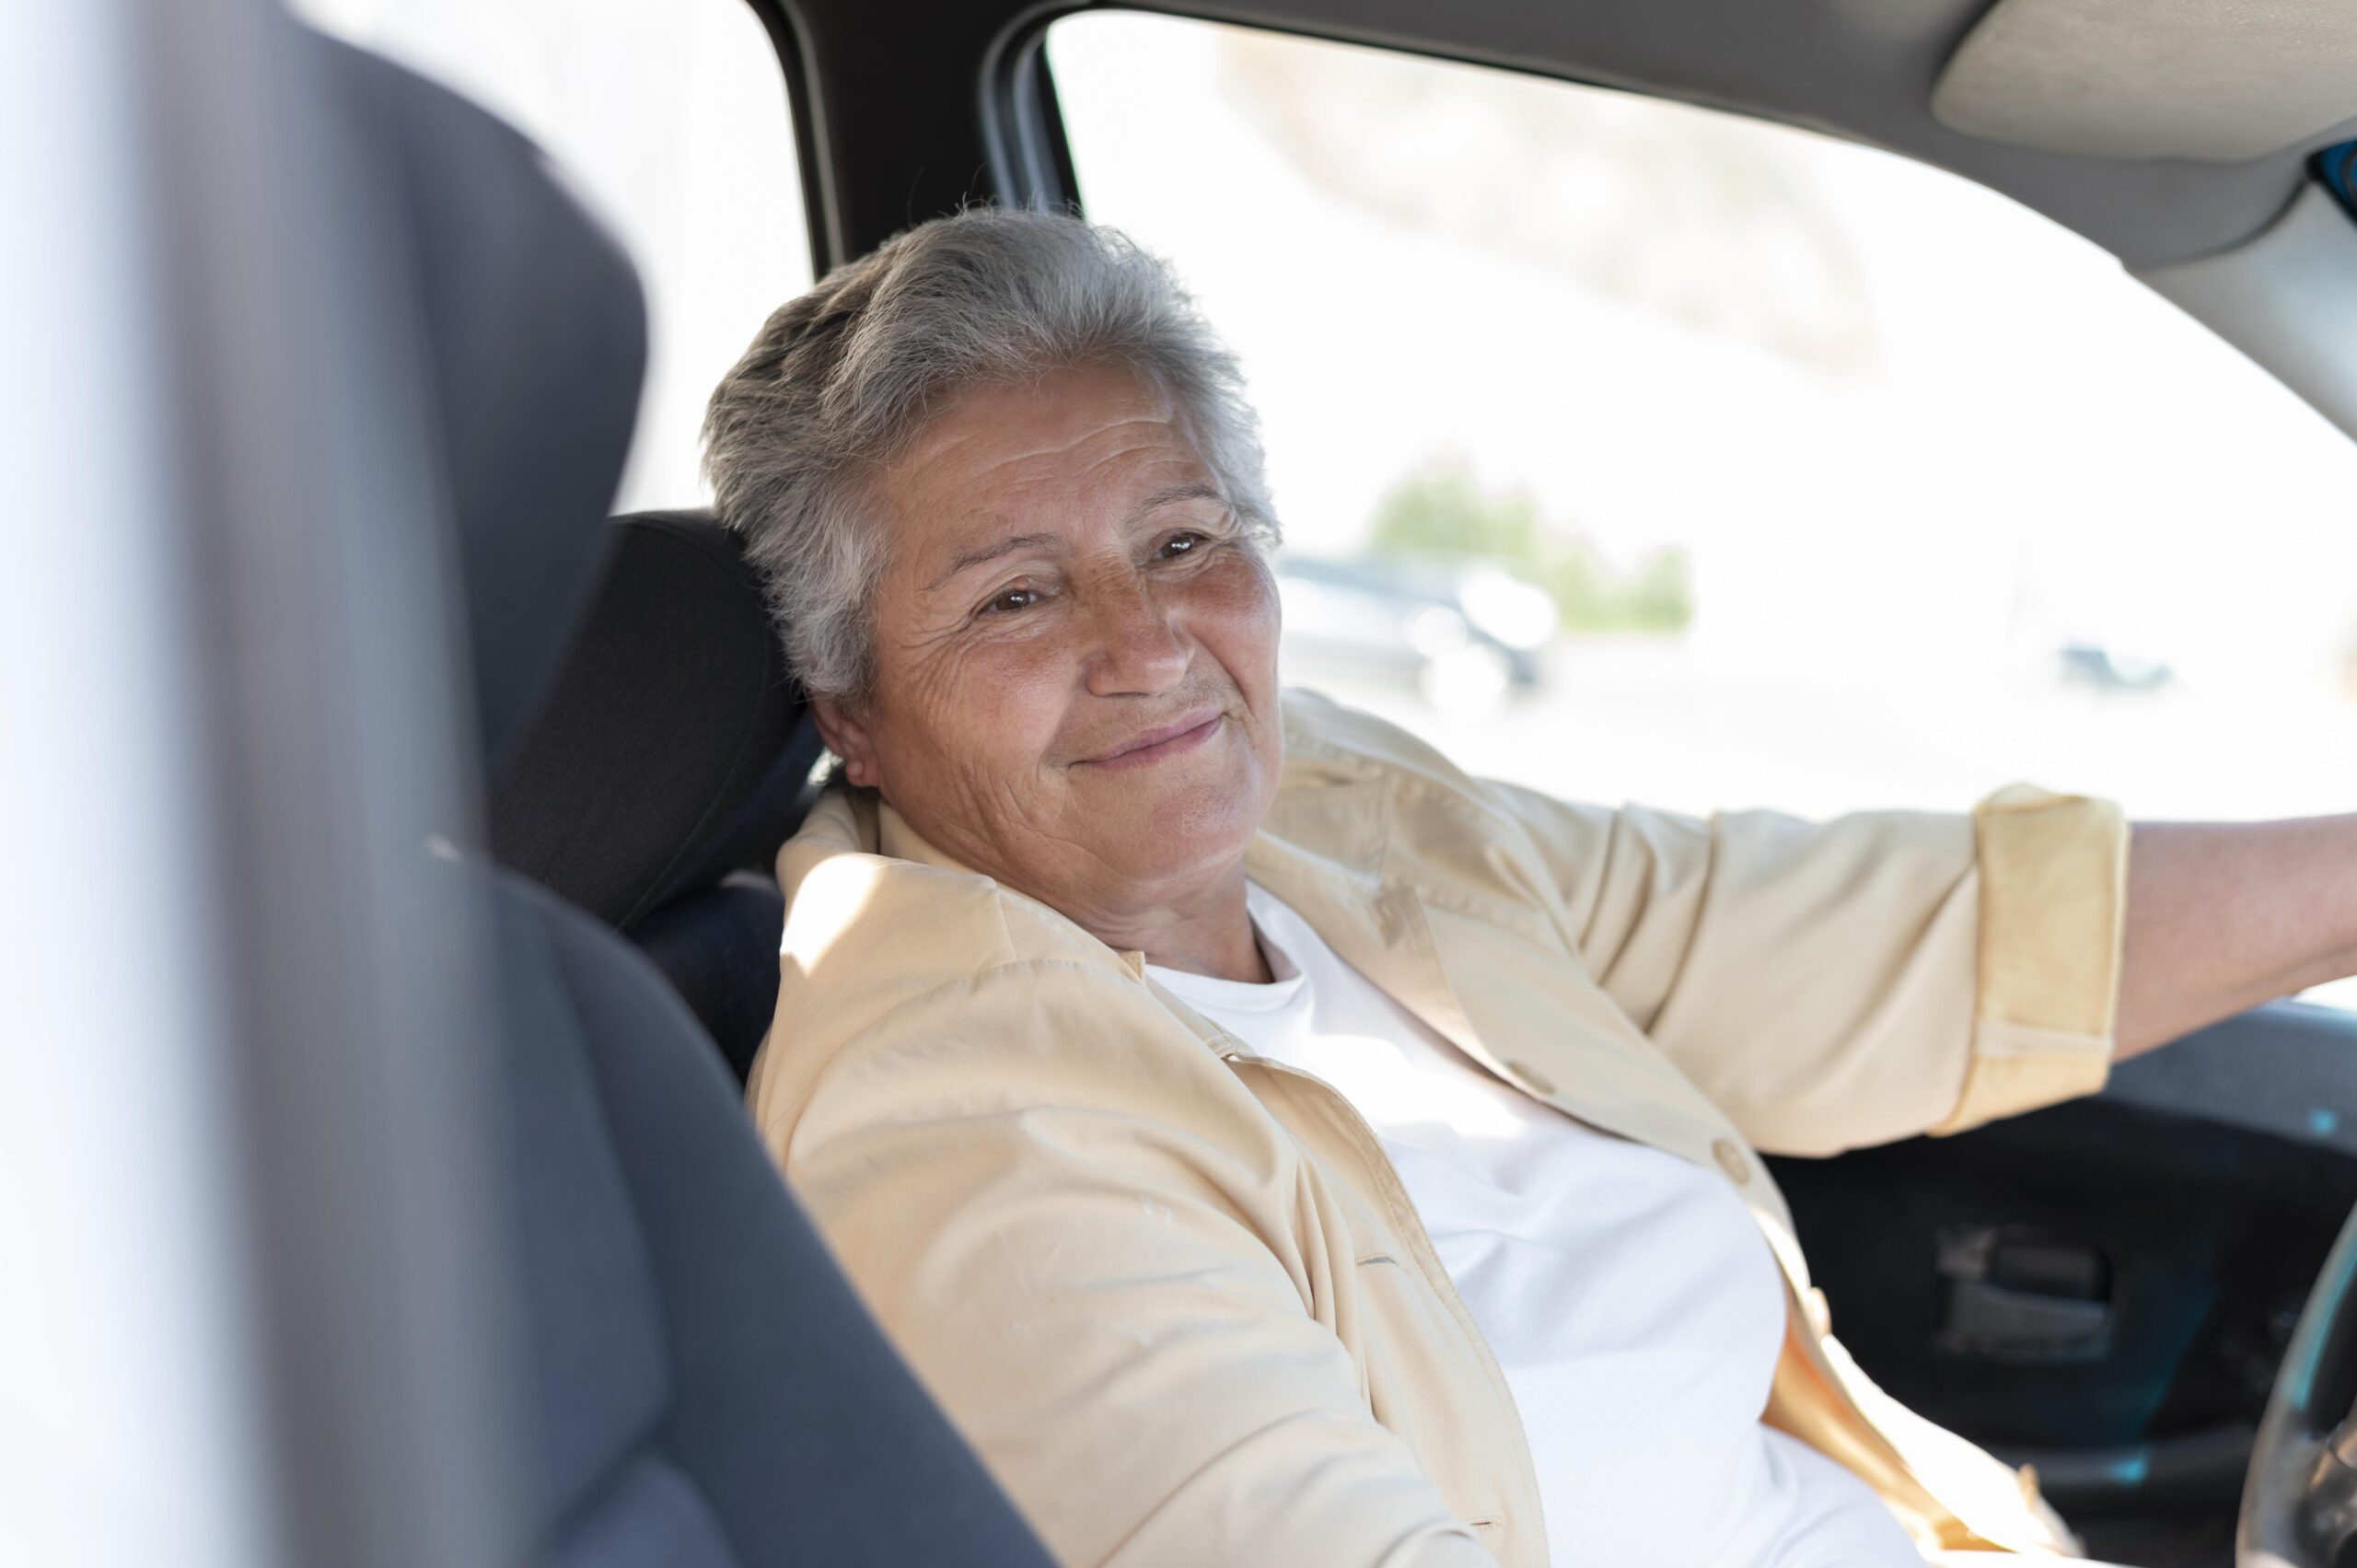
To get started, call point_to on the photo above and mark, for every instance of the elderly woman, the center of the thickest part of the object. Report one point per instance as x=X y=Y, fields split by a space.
x=1274 y=1146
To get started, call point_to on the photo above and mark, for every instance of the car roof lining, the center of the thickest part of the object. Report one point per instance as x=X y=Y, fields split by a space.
x=2152 y=79
x=1862 y=70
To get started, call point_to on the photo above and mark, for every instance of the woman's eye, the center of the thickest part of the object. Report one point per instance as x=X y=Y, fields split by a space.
x=1180 y=544
x=1011 y=600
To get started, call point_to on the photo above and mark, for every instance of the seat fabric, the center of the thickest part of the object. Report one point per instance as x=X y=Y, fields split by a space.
x=706 y=1389
x=671 y=747
x=718 y=948
x=670 y=757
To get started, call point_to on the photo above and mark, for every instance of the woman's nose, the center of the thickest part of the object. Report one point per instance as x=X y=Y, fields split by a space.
x=1138 y=650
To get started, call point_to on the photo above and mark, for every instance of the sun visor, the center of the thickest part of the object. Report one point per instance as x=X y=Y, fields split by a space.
x=2221 y=81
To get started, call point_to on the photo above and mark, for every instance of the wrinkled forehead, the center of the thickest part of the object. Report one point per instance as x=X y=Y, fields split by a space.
x=1072 y=450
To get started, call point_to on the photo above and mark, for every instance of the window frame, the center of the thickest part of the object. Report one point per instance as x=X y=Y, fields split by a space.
x=822 y=222
x=1030 y=161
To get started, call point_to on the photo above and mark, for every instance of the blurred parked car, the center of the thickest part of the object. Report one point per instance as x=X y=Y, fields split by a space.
x=2092 y=665
x=1468 y=635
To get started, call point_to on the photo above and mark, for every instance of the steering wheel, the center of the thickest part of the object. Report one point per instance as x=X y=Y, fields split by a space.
x=2300 y=1502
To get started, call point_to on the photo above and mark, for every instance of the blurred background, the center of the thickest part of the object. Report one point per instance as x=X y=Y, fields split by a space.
x=1624 y=449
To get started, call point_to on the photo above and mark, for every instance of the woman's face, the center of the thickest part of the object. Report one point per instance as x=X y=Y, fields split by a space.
x=1075 y=659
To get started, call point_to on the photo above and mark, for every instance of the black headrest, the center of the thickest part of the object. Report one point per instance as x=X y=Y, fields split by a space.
x=537 y=340
x=673 y=748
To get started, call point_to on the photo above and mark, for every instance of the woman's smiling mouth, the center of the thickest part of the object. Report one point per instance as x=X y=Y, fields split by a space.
x=1149 y=746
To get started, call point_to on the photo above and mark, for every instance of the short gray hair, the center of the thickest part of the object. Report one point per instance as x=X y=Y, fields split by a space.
x=839 y=380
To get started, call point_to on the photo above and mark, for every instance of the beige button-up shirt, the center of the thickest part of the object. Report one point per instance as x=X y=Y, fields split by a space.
x=1176 y=1296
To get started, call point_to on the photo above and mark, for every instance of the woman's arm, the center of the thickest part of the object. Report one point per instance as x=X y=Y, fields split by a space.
x=1841 y=984
x=2224 y=916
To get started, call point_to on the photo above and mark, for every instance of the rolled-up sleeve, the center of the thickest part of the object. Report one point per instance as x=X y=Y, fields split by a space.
x=1872 y=977
x=2053 y=905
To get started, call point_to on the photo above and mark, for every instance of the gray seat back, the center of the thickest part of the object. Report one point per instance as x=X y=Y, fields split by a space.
x=665 y=764
x=706 y=1389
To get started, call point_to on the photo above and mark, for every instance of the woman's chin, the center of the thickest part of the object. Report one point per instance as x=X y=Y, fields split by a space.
x=1159 y=835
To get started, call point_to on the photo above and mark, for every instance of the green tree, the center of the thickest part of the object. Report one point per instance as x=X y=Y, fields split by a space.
x=1440 y=512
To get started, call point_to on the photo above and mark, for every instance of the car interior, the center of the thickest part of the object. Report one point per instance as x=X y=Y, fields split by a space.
x=2109 y=1291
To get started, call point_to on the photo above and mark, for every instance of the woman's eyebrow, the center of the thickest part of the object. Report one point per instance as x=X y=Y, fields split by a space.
x=1191 y=489
x=980 y=554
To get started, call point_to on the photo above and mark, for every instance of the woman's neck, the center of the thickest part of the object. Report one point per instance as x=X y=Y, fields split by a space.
x=1195 y=919
x=1207 y=932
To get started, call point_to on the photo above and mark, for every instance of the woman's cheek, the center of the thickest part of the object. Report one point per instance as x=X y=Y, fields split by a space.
x=1241 y=612
x=1019 y=690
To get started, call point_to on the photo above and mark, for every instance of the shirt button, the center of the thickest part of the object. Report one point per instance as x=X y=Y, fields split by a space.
x=1730 y=1160
x=1530 y=1078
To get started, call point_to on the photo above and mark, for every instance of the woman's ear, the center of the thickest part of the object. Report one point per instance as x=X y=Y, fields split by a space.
x=847 y=739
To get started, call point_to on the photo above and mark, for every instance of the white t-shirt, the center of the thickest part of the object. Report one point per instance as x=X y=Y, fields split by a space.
x=1630 y=1298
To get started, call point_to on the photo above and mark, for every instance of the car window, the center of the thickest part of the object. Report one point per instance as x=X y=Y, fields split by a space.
x=1639 y=452
x=670 y=116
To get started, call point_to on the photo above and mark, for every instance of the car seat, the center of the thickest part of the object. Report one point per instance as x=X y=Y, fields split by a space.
x=668 y=759
x=706 y=1389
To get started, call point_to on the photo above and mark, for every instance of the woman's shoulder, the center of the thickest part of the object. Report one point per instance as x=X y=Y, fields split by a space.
x=925 y=991
x=1330 y=748
x=874 y=920
x=1320 y=730
x=1361 y=793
